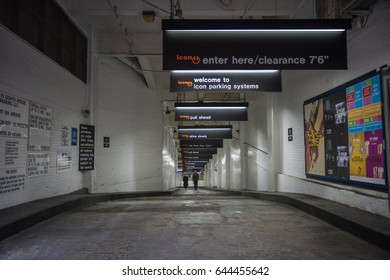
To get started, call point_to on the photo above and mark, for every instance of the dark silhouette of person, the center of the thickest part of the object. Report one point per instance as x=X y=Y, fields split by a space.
x=185 y=180
x=195 y=179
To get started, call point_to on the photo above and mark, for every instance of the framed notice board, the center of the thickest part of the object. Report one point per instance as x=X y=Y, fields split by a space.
x=344 y=134
x=86 y=147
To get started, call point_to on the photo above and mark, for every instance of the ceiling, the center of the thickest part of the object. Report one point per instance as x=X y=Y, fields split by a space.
x=121 y=32
x=119 y=29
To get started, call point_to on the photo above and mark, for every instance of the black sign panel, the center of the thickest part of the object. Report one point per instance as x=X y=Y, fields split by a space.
x=204 y=133
x=192 y=152
x=192 y=169
x=106 y=142
x=197 y=157
x=254 y=44
x=87 y=147
x=182 y=81
x=196 y=164
x=211 y=112
x=201 y=144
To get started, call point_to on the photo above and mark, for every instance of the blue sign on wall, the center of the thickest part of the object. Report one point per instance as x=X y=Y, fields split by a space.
x=74 y=136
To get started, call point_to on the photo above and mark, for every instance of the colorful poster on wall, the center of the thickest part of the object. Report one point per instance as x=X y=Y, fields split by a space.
x=39 y=127
x=344 y=129
x=314 y=137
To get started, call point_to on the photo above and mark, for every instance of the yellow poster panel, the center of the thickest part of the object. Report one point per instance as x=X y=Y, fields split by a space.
x=357 y=151
x=372 y=110
x=355 y=114
x=314 y=138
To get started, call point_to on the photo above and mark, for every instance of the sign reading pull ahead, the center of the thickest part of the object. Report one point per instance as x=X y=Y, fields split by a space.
x=211 y=111
x=195 y=152
x=270 y=80
x=254 y=44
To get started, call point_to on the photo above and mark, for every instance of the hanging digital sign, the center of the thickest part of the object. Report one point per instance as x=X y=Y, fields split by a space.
x=192 y=169
x=226 y=81
x=255 y=44
x=204 y=132
x=344 y=134
x=192 y=152
x=197 y=157
x=195 y=163
x=211 y=112
x=201 y=144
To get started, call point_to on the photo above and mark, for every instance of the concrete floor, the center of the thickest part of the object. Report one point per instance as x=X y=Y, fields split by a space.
x=187 y=225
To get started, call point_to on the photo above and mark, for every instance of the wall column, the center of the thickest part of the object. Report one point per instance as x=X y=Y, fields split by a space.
x=273 y=133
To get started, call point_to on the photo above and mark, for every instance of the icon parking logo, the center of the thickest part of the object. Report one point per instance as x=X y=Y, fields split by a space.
x=193 y=58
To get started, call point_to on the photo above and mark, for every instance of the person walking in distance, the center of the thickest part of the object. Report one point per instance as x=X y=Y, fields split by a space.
x=195 y=178
x=185 y=180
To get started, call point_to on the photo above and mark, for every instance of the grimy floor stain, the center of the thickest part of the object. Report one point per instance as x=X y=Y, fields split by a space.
x=188 y=225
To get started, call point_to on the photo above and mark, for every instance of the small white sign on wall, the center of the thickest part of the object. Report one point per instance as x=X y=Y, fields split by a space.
x=40 y=127
x=37 y=164
x=12 y=180
x=64 y=161
x=13 y=116
x=65 y=135
x=13 y=152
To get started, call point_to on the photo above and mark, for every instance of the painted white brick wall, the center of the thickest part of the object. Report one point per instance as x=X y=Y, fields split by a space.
x=256 y=143
x=368 y=49
x=26 y=73
x=256 y=126
x=131 y=115
x=235 y=164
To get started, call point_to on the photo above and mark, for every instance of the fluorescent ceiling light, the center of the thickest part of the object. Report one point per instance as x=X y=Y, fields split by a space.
x=260 y=30
x=197 y=129
x=224 y=71
x=207 y=107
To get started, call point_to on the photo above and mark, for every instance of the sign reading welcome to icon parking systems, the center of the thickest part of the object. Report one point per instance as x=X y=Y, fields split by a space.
x=185 y=81
x=254 y=44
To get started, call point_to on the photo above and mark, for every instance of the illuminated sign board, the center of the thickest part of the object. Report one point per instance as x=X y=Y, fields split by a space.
x=226 y=81
x=201 y=144
x=204 y=132
x=344 y=134
x=255 y=44
x=197 y=157
x=195 y=163
x=211 y=111
x=192 y=169
x=193 y=152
